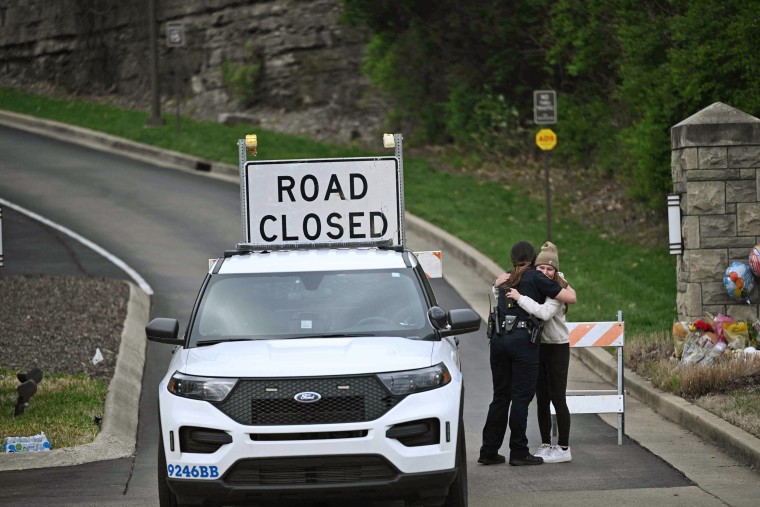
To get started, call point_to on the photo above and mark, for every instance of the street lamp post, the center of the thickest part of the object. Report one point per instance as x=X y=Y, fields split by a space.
x=155 y=118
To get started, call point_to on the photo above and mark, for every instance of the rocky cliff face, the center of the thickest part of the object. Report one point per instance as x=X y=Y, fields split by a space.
x=288 y=65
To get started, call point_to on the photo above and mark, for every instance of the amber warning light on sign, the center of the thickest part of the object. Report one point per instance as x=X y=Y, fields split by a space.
x=251 y=144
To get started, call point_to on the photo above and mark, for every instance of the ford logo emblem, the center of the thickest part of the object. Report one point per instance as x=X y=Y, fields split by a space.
x=307 y=397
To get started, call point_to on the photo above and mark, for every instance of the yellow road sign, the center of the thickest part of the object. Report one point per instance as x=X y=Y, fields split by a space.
x=546 y=139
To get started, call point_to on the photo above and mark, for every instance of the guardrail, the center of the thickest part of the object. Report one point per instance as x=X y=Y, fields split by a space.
x=598 y=401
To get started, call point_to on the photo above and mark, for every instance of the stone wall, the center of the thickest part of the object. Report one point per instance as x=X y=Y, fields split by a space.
x=310 y=81
x=716 y=170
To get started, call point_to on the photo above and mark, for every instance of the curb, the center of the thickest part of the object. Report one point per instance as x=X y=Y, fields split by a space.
x=123 y=398
x=103 y=142
x=118 y=434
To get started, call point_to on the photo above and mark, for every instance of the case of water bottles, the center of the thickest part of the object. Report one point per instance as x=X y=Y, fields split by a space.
x=34 y=443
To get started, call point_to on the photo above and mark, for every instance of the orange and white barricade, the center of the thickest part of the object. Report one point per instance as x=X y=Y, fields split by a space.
x=600 y=401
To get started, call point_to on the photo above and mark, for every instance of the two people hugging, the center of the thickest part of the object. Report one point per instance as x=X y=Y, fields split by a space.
x=522 y=368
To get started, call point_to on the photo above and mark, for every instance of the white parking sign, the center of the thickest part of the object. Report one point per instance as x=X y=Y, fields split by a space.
x=545 y=107
x=175 y=35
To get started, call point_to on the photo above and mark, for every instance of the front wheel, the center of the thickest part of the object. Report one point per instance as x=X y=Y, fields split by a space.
x=165 y=496
x=457 y=496
x=458 y=489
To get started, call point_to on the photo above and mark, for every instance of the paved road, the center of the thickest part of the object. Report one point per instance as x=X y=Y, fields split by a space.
x=166 y=224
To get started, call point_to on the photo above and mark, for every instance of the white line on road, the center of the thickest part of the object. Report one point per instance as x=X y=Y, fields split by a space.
x=139 y=280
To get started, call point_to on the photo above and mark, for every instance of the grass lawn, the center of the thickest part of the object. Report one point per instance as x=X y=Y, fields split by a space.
x=82 y=397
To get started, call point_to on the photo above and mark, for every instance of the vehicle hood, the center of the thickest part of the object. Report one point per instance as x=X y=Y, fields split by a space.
x=308 y=357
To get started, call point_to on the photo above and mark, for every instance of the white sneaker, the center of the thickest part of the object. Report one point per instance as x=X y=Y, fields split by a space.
x=543 y=451
x=557 y=455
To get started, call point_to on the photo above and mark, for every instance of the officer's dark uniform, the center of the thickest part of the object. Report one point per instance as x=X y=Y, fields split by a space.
x=514 y=369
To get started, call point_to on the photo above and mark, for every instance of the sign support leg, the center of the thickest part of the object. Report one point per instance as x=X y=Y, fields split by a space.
x=548 y=192
x=399 y=142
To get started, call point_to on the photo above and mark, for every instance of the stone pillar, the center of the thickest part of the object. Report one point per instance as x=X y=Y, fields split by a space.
x=715 y=163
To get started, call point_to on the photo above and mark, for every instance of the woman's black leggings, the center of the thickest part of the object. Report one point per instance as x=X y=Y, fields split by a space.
x=553 y=363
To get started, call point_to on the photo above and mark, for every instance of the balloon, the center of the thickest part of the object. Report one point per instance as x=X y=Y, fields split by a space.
x=739 y=280
x=754 y=260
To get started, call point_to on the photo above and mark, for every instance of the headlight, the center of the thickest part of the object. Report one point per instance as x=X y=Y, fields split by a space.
x=200 y=388
x=415 y=381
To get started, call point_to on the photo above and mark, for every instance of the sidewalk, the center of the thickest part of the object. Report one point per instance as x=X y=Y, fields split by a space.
x=717 y=456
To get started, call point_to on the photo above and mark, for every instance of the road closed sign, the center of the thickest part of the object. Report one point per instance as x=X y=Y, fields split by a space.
x=546 y=139
x=322 y=201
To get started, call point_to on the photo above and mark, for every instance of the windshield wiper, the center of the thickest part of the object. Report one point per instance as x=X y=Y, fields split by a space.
x=202 y=343
x=329 y=335
x=214 y=342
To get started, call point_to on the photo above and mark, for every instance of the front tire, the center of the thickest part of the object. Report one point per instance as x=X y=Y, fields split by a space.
x=458 y=490
x=165 y=496
x=457 y=496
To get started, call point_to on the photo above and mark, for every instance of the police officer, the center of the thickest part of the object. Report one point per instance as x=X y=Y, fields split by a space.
x=514 y=360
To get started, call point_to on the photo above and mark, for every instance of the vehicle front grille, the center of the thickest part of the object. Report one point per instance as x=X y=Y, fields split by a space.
x=343 y=400
x=310 y=470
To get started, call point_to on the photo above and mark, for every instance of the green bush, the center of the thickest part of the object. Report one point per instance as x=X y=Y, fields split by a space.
x=241 y=79
x=486 y=122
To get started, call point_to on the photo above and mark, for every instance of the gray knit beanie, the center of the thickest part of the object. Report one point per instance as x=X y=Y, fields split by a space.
x=548 y=256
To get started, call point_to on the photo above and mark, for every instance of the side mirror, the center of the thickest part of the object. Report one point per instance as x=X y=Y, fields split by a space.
x=438 y=318
x=163 y=330
x=463 y=320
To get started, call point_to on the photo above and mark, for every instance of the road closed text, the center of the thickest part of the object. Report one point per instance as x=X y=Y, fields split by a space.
x=361 y=225
x=345 y=200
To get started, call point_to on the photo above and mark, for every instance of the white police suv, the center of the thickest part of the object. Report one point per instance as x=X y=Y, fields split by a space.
x=314 y=372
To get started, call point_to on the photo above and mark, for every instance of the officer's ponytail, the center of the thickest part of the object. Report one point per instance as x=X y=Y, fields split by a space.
x=522 y=255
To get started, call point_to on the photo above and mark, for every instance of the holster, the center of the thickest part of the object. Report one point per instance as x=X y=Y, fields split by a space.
x=493 y=323
x=510 y=321
x=536 y=328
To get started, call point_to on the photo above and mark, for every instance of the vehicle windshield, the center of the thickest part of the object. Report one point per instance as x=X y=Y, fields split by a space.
x=313 y=304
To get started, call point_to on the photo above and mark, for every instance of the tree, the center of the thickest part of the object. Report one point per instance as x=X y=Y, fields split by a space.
x=625 y=72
